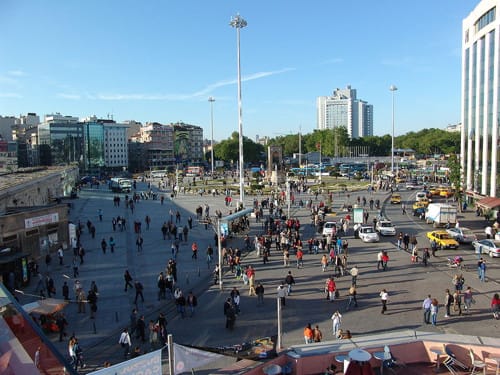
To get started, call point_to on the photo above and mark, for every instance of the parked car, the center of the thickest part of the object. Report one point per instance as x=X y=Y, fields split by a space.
x=442 y=239
x=462 y=235
x=385 y=228
x=367 y=234
x=490 y=247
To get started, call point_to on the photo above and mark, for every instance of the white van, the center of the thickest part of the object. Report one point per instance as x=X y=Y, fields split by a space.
x=329 y=227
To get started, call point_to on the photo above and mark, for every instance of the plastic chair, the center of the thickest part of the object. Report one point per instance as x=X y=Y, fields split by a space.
x=476 y=363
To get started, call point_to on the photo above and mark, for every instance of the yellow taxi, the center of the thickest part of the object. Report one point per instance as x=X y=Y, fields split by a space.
x=434 y=190
x=443 y=239
x=446 y=192
x=395 y=198
x=400 y=180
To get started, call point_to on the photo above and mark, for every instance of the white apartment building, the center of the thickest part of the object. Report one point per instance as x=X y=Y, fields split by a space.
x=115 y=145
x=343 y=108
x=480 y=98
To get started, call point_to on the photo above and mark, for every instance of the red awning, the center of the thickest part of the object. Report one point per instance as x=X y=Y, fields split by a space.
x=489 y=202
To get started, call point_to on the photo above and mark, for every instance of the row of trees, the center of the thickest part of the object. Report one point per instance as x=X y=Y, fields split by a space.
x=336 y=142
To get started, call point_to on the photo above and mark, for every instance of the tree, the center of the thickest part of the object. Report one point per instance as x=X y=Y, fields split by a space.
x=228 y=149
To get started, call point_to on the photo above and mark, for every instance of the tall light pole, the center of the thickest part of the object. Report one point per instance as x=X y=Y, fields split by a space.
x=211 y=99
x=392 y=88
x=238 y=23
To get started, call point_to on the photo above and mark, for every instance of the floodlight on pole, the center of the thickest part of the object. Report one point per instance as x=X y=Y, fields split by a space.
x=238 y=22
x=392 y=89
x=211 y=99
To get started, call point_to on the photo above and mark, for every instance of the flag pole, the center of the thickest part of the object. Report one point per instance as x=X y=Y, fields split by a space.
x=171 y=359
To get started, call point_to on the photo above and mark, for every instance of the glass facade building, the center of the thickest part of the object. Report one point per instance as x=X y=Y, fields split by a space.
x=480 y=99
x=93 y=135
x=60 y=143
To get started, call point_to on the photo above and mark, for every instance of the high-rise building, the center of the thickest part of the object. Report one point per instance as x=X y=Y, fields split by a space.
x=343 y=108
x=480 y=98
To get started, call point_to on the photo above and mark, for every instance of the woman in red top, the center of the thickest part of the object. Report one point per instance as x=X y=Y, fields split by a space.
x=385 y=259
x=495 y=306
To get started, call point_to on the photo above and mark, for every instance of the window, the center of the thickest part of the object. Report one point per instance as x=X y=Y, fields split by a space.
x=485 y=19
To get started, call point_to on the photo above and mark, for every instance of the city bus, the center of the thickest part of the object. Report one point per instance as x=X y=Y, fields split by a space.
x=160 y=173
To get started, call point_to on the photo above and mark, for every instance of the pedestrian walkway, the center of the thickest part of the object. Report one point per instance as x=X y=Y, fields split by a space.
x=307 y=304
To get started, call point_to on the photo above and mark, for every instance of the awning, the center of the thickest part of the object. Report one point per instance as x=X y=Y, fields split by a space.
x=45 y=306
x=489 y=203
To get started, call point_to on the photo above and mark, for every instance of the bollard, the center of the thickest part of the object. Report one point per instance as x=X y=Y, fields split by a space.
x=116 y=316
x=199 y=272
x=187 y=279
x=95 y=330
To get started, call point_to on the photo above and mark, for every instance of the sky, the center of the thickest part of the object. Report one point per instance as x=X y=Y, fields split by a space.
x=160 y=61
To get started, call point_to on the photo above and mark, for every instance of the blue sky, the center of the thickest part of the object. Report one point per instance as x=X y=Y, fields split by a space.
x=160 y=60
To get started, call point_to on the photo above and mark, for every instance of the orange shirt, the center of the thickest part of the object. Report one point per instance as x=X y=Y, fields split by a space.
x=308 y=333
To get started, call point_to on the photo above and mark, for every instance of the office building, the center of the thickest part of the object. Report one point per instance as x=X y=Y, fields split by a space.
x=480 y=99
x=343 y=108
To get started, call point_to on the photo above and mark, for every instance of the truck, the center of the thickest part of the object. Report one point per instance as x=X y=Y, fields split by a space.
x=441 y=214
x=120 y=185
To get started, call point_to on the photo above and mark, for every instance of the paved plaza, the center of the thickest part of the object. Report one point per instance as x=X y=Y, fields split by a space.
x=407 y=284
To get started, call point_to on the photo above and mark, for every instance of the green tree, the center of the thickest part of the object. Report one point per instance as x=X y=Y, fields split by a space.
x=228 y=150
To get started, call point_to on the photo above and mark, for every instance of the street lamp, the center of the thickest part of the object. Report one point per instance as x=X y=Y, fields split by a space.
x=211 y=99
x=392 y=88
x=238 y=23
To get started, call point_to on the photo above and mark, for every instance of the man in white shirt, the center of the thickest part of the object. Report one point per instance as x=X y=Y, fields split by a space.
x=426 y=305
x=125 y=342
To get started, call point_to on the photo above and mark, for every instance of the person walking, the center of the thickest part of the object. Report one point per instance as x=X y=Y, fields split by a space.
x=317 y=334
x=141 y=328
x=229 y=313
x=289 y=281
x=482 y=270
x=128 y=278
x=434 y=311
x=336 y=322
x=354 y=275
x=332 y=287
x=139 y=242
x=138 y=291
x=192 y=302
x=74 y=264
x=457 y=302
x=260 y=294
x=60 y=255
x=282 y=294
x=426 y=305
x=308 y=334
x=384 y=297
x=112 y=244
x=352 y=297
x=125 y=342
x=104 y=245
x=379 y=259
x=448 y=301
x=194 y=249
x=468 y=299
x=495 y=306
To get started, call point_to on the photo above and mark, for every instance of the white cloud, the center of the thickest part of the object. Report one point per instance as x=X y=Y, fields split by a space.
x=174 y=97
x=250 y=77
